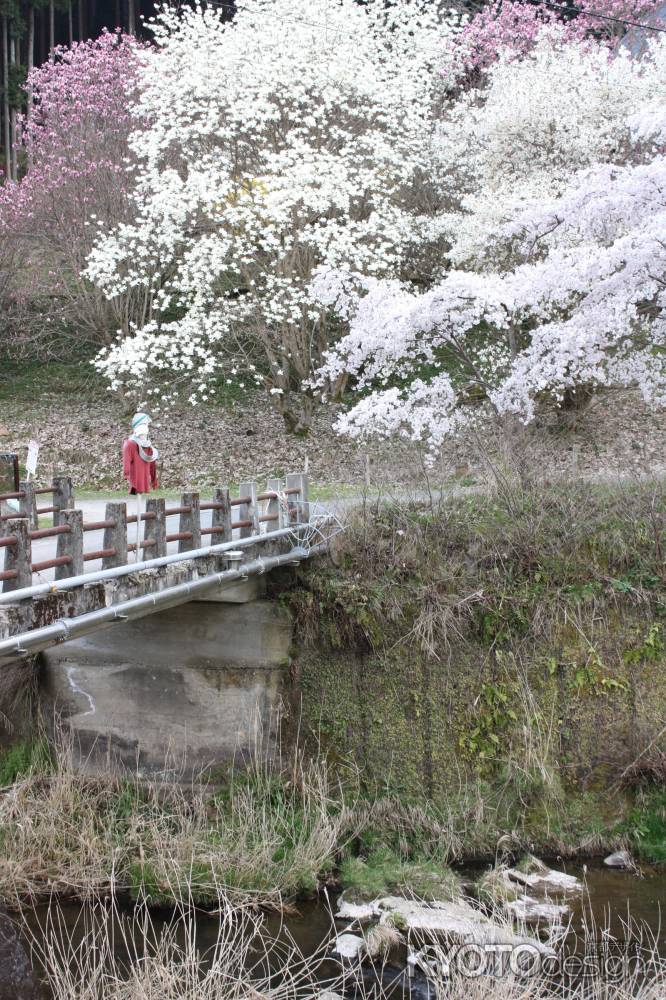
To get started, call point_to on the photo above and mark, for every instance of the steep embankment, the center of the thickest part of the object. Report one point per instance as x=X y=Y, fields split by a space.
x=503 y=658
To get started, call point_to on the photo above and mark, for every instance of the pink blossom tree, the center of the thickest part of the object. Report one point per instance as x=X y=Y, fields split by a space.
x=75 y=155
x=514 y=25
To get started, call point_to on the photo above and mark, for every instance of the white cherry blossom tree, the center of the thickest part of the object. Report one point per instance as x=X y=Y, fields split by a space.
x=284 y=140
x=516 y=140
x=570 y=293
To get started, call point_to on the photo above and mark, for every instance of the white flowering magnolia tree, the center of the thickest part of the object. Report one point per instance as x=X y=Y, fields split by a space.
x=282 y=141
x=562 y=232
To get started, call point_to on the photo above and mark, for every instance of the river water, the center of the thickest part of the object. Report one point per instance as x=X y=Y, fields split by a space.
x=612 y=898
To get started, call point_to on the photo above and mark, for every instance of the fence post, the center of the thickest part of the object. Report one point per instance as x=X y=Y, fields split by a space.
x=155 y=528
x=19 y=557
x=28 y=503
x=190 y=522
x=249 y=510
x=63 y=497
x=274 y=506
x=116 y=537
x=70 y=544
x=221 y=517
x=300 y=480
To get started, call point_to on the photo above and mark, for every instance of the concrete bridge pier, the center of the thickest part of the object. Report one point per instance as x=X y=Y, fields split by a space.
x=193 y=687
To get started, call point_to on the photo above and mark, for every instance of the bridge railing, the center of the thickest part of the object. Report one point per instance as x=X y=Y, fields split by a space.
x=60 y=492
x=283 y=503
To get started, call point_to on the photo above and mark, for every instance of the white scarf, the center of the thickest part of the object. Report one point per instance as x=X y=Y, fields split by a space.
x=142 y=444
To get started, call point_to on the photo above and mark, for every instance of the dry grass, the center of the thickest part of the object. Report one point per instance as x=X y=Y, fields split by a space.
x=110 y=955
x=266 y=837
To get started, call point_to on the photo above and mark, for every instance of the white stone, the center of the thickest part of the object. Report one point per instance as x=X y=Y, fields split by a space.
x=532 y=910
x=457 y=920
x=356 y=911
x=348 y=945
x=546 y=880
x=620 y=859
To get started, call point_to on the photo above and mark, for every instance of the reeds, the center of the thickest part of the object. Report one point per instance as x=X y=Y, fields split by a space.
x=113 y=955
x=267 y=835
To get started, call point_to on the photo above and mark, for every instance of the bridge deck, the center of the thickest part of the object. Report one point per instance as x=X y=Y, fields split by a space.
x=93 y=578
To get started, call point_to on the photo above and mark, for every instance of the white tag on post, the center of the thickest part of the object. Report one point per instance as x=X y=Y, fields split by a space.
x=31 y=460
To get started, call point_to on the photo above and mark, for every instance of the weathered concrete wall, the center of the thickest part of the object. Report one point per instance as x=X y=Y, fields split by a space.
x=418 y=726
x=196 y=686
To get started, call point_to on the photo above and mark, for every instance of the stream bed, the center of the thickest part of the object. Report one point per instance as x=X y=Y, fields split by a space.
x=612 y=898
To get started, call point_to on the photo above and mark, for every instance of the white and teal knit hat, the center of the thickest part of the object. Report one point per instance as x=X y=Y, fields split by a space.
x=140 y=418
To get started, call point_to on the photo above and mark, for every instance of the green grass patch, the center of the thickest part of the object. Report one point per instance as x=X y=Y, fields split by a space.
x=28 y=757
x=646 y=826
x=383 y=872
x=24 y=382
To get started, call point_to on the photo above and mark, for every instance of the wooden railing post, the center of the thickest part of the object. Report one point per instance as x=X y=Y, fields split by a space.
x=28 y=503
x=19 y=557
x=116 y=537
x=70 y=544
x=249 y=510
x=190 y=522
x=298 y=480
x=63 y=497
x=274 y=506
x=155 y=528
x=221 y=517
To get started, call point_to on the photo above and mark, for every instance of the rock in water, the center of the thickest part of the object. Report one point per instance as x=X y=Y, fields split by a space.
x=531 y=911
x=17 y=981
x=356 y=911
x=621 y=859
x=548 y=880
x=457 y=921
x=348 y=946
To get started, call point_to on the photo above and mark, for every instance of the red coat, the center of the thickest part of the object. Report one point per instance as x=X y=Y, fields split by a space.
x=141 y=476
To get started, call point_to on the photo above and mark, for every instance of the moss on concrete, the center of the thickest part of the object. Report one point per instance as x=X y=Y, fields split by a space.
x=520 y=643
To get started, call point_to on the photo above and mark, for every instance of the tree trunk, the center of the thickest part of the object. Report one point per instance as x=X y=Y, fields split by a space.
x=297 y=417
x=80 y=18
x=42 y=52
x=13 y=44
x=30 y=64
x=131 y=17
x=70 y=23
x=5 y=99
x=119 y=19
x=51 y=29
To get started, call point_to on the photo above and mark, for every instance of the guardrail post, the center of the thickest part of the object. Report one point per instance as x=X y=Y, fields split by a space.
x=298 y=480
x=19 y=557
x=28 y=503
x=190 y=522
x=70 y=543
x=63 y=497
x=222 y=516
x=155 y=528
x=248 y=511
x=274 y=506
x=115 y=537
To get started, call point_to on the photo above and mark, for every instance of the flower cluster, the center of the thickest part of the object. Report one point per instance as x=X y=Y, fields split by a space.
x=573 y=293
x=259 y=163
x=512 y=27
x=74 y=145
